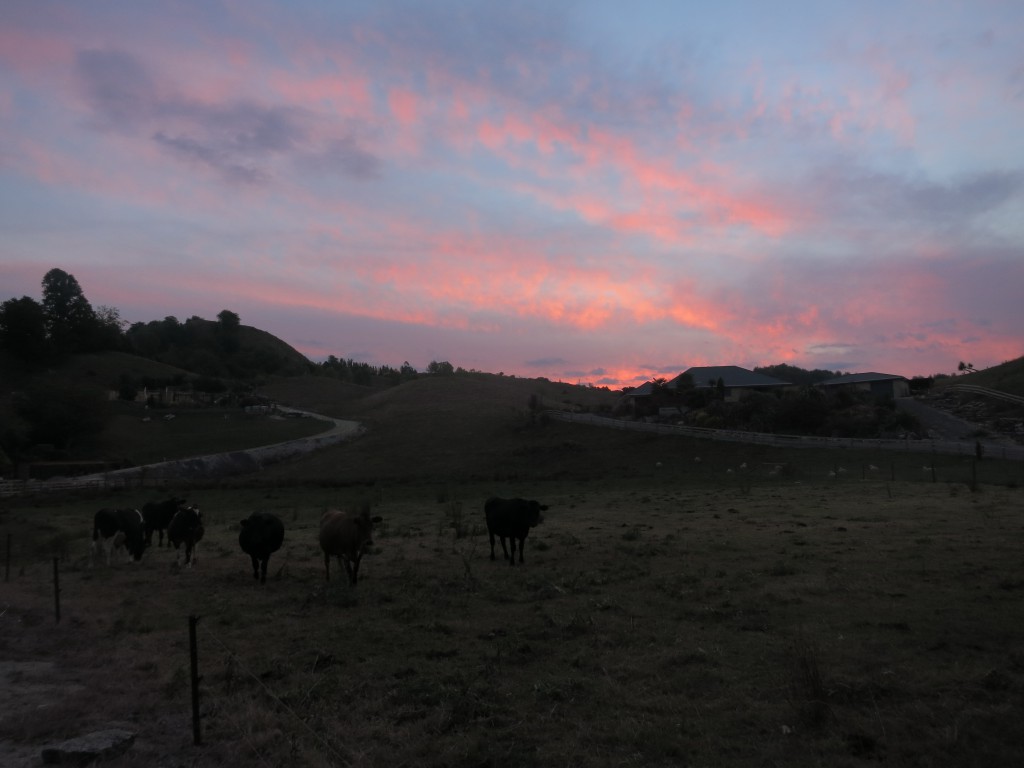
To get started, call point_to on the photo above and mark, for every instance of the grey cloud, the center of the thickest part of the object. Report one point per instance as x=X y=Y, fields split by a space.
x=545 y=362
x=878 y=199
x=117 y=85
x=234 y=138
x=346 y=156
x=248 y=128
x=841 y=365
x=520 y=50
x=662 y=368
x=206 y=155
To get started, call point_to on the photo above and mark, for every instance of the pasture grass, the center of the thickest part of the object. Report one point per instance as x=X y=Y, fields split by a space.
x=659 y=619
x=141 y=436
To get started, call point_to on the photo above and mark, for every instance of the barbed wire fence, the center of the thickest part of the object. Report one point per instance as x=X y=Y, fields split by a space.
x=237 y=666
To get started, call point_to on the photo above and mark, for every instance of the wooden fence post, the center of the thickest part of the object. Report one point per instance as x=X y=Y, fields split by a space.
x=56 y=588
x=193 y=648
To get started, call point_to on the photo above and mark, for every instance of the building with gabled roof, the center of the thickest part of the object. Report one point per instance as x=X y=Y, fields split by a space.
x=879 y=384
x=737 y=382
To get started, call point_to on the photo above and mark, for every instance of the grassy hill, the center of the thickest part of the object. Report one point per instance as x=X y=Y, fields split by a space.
x=473 y=425
x=262 y=343
x=437 y=428
x=1006 y=377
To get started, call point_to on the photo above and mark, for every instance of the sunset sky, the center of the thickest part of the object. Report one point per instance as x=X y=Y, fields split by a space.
x=599 y=192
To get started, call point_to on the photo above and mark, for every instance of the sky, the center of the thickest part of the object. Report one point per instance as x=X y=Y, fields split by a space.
x=593 y=192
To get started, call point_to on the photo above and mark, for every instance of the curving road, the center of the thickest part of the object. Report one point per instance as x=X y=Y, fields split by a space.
x=237 y=462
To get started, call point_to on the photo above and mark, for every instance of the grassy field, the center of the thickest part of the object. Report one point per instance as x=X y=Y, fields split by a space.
x=144 y=437
x=685 y=602
x=657 y=621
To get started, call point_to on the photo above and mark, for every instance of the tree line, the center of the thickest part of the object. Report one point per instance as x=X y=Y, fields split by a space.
x=64 y=322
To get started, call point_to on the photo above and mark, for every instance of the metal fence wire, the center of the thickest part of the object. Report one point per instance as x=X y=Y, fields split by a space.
x=237 y=667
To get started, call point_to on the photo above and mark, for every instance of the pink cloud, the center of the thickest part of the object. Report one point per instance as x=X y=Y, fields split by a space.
x=404 y=105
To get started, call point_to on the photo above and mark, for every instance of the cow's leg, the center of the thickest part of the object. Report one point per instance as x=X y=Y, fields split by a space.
x=192 y=553
x=522 y=546
x=512 y=544
x=492 y=545
x=255 y=566
x=352 y=569
x=503 y=548
x=263 y=569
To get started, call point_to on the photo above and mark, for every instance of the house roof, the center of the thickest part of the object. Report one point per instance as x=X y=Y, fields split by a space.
x=859 y=378
x=647 y=388
x=731 y=375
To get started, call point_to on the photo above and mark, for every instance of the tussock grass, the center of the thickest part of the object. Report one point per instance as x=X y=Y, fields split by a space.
x=669 y=624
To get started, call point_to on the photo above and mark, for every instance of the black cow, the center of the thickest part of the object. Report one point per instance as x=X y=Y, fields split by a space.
x=157 y=515
x=118 y=528
x=262 y=534
x=186 y=527
x=512 y=519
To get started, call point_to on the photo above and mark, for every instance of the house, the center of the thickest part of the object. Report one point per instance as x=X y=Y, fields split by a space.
x=878 y=384
x=634 y=401
x=736 y=382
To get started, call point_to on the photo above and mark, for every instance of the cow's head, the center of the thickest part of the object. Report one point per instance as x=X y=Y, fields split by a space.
x=365 y=524
x=534 y=517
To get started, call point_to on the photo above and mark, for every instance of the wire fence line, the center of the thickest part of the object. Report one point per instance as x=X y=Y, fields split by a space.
x=985 y=392
x=956 y=448
x=237 y=664
x=200 y=468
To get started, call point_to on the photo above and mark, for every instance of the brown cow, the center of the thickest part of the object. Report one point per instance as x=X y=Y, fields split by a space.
x=346 y=535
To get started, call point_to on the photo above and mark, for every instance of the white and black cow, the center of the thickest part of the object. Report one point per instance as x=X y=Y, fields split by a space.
x=512 y=519
x=186 y=527
x=262 y=534
x=116 y=529
x=157 y=516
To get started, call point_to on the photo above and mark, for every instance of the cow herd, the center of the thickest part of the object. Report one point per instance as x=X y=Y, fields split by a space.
x=345 y=535
x=131 y=530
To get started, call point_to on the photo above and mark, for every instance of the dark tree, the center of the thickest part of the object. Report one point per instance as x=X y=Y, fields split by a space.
x=443 y=368
x=23 y=328
x=62 y=415
x=70 y=320
x=228 y=332
x=109 y=332
x=229 y=321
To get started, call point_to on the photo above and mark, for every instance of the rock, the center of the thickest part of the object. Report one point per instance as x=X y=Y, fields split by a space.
x=75 y=751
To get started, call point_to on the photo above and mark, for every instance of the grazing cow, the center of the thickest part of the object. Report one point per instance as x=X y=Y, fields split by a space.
x=512 y=519
x=186 y=527
x=346 y=535
x=157 y=515
x=261 y=535
x=118 y=528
